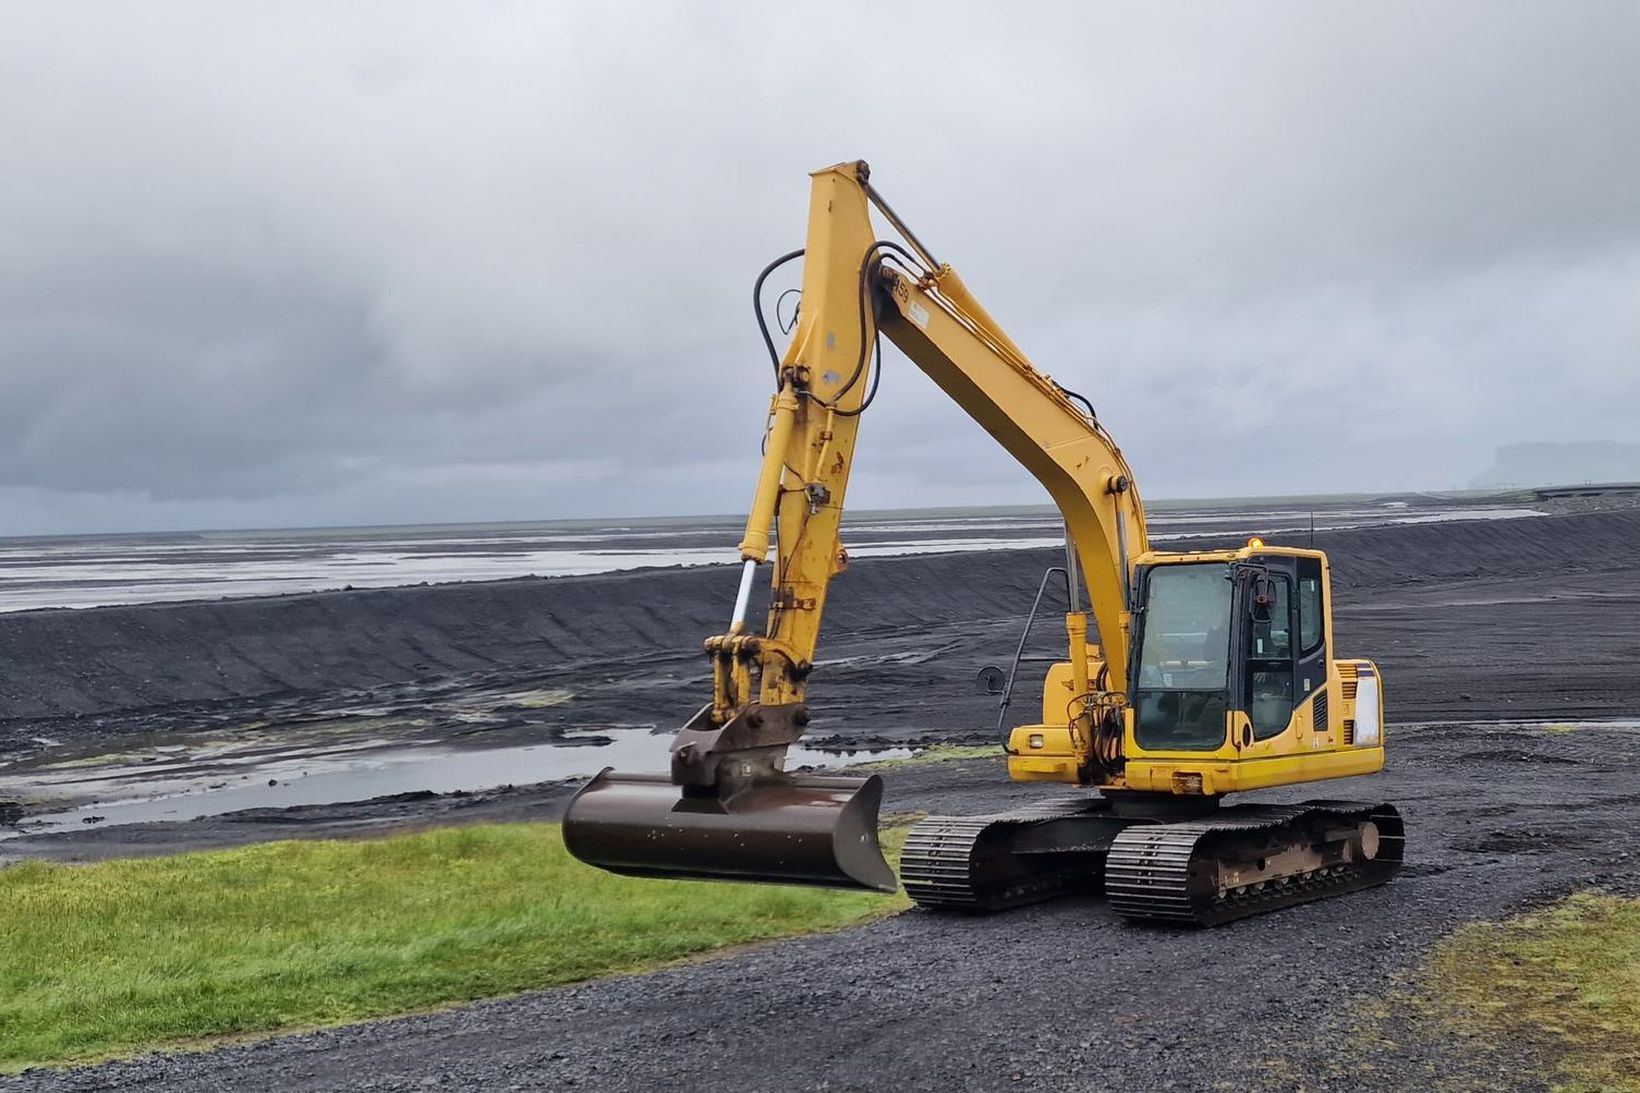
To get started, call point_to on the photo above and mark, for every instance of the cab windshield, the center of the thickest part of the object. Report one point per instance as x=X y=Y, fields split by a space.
x=1187 y=628
x=1184 y=657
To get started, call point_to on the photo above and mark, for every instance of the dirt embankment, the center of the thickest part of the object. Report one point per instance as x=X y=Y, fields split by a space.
x=1525 y=617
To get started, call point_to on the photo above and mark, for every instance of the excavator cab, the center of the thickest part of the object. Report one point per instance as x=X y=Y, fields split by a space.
x=1231 y=685
x=1221 y=637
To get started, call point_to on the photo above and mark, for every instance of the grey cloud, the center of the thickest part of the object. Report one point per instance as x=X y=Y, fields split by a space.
x=317 y=264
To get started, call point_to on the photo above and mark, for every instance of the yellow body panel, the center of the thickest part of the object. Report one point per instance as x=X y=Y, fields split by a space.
x=1043 y=753
x=1231 y=776
x=1048 y=753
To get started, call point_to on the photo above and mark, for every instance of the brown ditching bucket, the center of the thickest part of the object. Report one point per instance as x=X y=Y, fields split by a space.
x=794 y=829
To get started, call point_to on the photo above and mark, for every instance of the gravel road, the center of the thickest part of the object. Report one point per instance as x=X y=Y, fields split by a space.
x=1061 y=996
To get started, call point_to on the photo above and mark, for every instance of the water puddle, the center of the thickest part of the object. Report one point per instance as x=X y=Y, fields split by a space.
x=177 y=782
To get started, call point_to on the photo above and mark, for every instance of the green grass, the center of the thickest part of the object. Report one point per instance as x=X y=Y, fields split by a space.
x=110 y=958
x=939 y=753
x=1565 y=980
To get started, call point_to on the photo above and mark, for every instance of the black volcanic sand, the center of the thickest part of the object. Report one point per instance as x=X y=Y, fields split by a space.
x=1475 y=622
x=1507 y=618
x=1484 y=620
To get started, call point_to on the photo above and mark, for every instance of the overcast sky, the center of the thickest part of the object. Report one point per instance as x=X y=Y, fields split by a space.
x=316 y=263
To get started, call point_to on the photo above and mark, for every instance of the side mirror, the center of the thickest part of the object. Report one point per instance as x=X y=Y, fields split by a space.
x=1261 y=604
x=990 y=681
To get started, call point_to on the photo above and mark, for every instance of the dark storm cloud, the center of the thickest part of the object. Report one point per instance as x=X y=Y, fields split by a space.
x=317 y=263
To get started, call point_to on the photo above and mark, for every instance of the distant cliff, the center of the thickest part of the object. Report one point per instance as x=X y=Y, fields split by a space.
x=1561 y=464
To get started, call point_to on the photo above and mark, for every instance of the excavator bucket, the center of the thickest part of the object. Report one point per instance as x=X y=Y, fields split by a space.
x=794 y=829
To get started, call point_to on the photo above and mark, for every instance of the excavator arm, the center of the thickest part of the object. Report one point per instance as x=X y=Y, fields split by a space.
x=728 y=808
x=850 y=294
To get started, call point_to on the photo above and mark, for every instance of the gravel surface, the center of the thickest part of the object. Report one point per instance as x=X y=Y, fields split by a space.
x=1060 y=996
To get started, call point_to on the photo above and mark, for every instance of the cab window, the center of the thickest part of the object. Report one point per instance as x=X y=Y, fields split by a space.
x=1186 y=643
x=1272 y=639
x=1311 y=612
x=1269 y=658
x=1184 y=657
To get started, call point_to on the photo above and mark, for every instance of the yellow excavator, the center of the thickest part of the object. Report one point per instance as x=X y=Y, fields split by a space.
x=1213 y=672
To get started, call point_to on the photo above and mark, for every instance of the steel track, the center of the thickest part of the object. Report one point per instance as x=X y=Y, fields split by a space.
x=1160 y=872
x=966 y=863
x=1163 y=872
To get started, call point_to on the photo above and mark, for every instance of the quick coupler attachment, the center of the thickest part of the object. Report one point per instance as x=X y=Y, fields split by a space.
x=809 y=829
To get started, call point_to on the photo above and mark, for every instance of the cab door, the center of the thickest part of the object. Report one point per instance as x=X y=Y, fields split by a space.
x=1312 y=643
x=1283 y=645
x=1269 y=667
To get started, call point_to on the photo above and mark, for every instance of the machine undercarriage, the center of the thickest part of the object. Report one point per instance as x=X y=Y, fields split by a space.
x=1224 y=864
